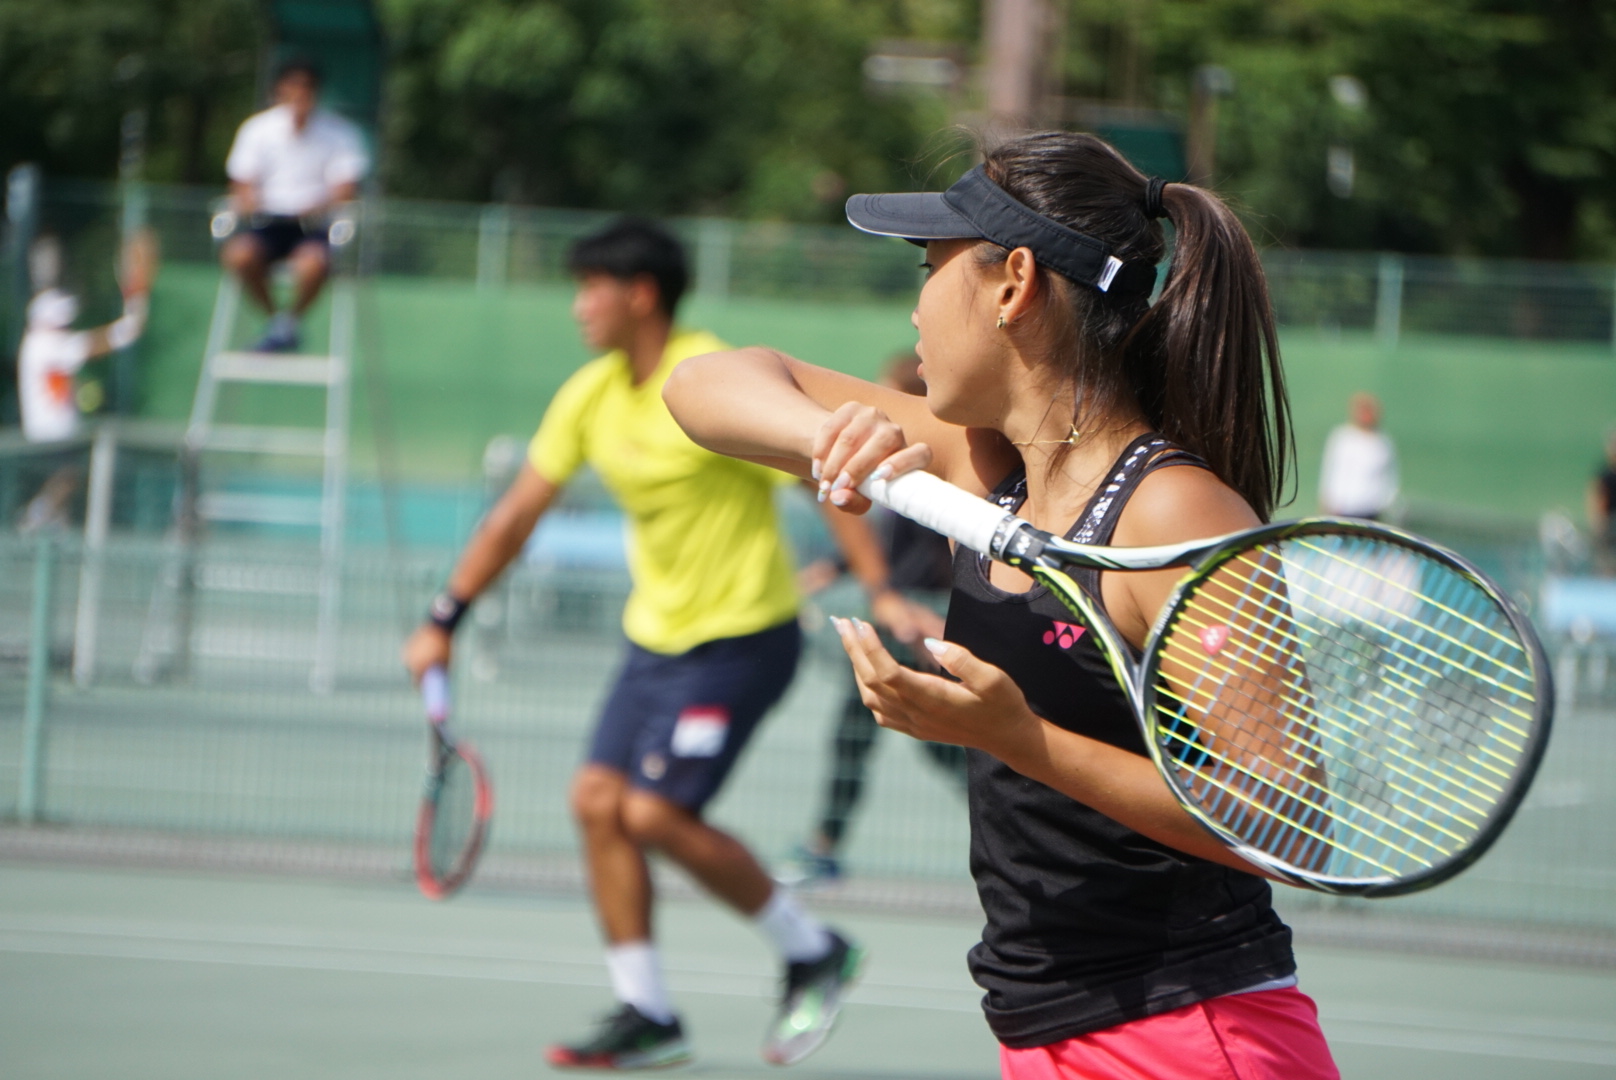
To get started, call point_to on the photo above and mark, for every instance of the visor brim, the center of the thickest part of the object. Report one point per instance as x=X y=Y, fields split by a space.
x=916 y=217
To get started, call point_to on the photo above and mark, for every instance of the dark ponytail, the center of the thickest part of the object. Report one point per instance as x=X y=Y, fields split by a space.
x=1202 y=364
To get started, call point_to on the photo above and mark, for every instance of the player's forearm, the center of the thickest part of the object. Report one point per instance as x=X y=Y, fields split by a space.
x=744 y=403
x=1121 y=785
x=502 y=534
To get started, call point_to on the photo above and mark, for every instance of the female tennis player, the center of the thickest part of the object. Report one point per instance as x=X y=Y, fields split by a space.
x=1122 y=939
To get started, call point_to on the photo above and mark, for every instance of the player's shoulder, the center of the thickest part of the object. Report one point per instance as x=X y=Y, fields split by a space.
x=335 y=125
x=264 y=123
x=1181 y=502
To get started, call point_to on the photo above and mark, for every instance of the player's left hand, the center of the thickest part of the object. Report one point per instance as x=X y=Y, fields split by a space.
x=984 y=710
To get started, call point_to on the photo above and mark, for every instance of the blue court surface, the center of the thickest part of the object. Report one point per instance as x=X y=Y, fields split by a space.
x=171 y=976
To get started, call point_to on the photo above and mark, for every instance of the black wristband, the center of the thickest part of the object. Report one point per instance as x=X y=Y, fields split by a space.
x=446 y=611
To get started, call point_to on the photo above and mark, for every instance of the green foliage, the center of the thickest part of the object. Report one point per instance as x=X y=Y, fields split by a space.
x=703 y=106
x=1490 y=125
x=70 y=71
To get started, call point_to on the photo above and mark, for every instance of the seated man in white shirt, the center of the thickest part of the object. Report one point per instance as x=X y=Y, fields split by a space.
x=1359 y=478
x=289 y=165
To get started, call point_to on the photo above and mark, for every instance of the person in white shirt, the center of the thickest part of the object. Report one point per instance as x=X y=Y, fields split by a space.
x=49 y=359
x=1359 y=478
x=288 y=167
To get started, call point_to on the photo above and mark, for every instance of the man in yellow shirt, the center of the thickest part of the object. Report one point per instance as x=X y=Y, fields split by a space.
x=713 y=643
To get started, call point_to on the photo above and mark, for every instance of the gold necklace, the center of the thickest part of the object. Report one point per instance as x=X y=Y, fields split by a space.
x=1070 y=440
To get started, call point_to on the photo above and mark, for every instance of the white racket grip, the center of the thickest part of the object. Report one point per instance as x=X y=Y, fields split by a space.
x=435 y=693
x=941 y=507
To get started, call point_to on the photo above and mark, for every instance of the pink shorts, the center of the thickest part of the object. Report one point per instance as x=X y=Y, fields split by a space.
x=1268 y=1035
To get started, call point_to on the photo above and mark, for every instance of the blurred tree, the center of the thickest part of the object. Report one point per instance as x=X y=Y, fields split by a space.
x=1488 y=126
x=69 y=72
x=701 y=106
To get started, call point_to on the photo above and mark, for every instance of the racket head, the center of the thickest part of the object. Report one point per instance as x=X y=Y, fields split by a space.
x=452 y=824
x=1393 y=705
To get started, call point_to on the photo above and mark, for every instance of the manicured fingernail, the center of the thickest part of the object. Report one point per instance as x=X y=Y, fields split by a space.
x=843 y=481
x=881 y=472
x=841 y=498
x=824 y=489
x=815 y=469
x=935 y=647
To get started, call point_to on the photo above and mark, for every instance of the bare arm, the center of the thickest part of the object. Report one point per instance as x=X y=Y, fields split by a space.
x=243 y=197
x=497 y=541
x=765 y=406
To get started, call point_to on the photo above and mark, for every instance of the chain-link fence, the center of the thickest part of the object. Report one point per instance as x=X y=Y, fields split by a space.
x=495 y=245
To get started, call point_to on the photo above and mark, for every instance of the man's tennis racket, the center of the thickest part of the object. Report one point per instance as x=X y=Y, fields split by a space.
x=457 y=803
x=1349 y=707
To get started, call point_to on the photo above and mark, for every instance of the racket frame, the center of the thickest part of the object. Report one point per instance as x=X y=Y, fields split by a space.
x=985 y=527
x=444 y=745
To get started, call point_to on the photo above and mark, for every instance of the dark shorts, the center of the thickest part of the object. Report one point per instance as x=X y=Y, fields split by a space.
x=676 y=724
x=280 y=236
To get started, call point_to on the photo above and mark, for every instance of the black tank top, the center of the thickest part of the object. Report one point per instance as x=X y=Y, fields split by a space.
x=1089 y=924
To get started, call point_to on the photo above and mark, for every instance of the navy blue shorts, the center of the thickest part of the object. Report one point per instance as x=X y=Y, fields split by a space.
x=280 y=236
x=674 y=725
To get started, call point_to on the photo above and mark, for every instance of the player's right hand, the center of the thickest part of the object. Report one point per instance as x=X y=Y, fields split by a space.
x=854 y=442
x=429 y=646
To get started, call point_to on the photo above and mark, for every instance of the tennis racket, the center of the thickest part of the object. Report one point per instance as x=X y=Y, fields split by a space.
x=1347 y=706
x=457 y=803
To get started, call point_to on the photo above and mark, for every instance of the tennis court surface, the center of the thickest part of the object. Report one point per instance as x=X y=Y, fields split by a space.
x=143 y=974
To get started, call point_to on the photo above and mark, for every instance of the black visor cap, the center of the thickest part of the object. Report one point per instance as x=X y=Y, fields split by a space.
x=976 y=207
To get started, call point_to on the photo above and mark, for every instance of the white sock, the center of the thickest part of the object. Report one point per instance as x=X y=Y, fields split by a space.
x=636 y=972
x=799 y=937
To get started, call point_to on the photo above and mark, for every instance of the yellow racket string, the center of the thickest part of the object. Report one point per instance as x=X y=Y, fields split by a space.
x=1365 y=723
x=1289 y=823
x=1422 y=648
x=1303 y=542
x=1390 y=717
x=1273 y=640
x=1438 y=656
x=1296 y=775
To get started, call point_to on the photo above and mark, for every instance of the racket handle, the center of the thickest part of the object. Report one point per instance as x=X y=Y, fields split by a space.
x=944 y=508
x=435 y=693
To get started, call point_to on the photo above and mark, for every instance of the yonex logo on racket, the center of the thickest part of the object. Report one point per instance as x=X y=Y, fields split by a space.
x=1064 y=634
x=1213 y=639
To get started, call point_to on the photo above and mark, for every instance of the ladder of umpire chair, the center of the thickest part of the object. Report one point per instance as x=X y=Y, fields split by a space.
x=330 y=372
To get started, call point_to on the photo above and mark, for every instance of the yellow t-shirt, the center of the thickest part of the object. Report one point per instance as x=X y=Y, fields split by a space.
x=705 y=549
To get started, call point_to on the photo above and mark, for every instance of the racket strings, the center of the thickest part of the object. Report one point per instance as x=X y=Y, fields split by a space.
x=1366 y=715
x=1343 y=699
x=454 y=817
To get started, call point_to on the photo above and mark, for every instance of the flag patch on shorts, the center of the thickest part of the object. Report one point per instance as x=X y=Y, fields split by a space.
x=700 y=731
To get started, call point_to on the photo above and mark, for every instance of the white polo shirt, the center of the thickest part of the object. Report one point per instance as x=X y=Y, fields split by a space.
x=1359 y=478
x=46 y=364
x=296 y=171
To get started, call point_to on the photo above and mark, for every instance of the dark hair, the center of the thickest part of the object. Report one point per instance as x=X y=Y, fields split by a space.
x=1202 y=363
x=630 y=247
x=306 y=66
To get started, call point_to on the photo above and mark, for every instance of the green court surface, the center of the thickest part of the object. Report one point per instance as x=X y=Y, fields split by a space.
x=169 y=976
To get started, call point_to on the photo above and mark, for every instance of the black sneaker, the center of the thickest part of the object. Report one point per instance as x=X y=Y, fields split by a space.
x=811 y=1001
x=627 y=1039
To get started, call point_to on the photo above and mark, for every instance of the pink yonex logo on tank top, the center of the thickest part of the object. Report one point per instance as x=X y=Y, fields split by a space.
x=1064 y=634
x=1213 y=639
x=700 y=731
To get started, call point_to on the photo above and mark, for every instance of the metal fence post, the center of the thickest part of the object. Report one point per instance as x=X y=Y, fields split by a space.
x=712 y=258
x=97 y=519
x=30 y=794
x=1389 y=301
x=493 y=245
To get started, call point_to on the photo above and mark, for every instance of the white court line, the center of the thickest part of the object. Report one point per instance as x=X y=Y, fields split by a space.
x=1346 y=1023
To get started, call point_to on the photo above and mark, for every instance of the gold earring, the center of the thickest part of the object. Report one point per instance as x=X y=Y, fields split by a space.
x=1001 y=322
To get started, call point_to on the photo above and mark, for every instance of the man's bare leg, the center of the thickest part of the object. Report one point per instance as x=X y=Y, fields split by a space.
x=619 y=879
x=720 y=862
x=310 y=267
x=243 y=256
